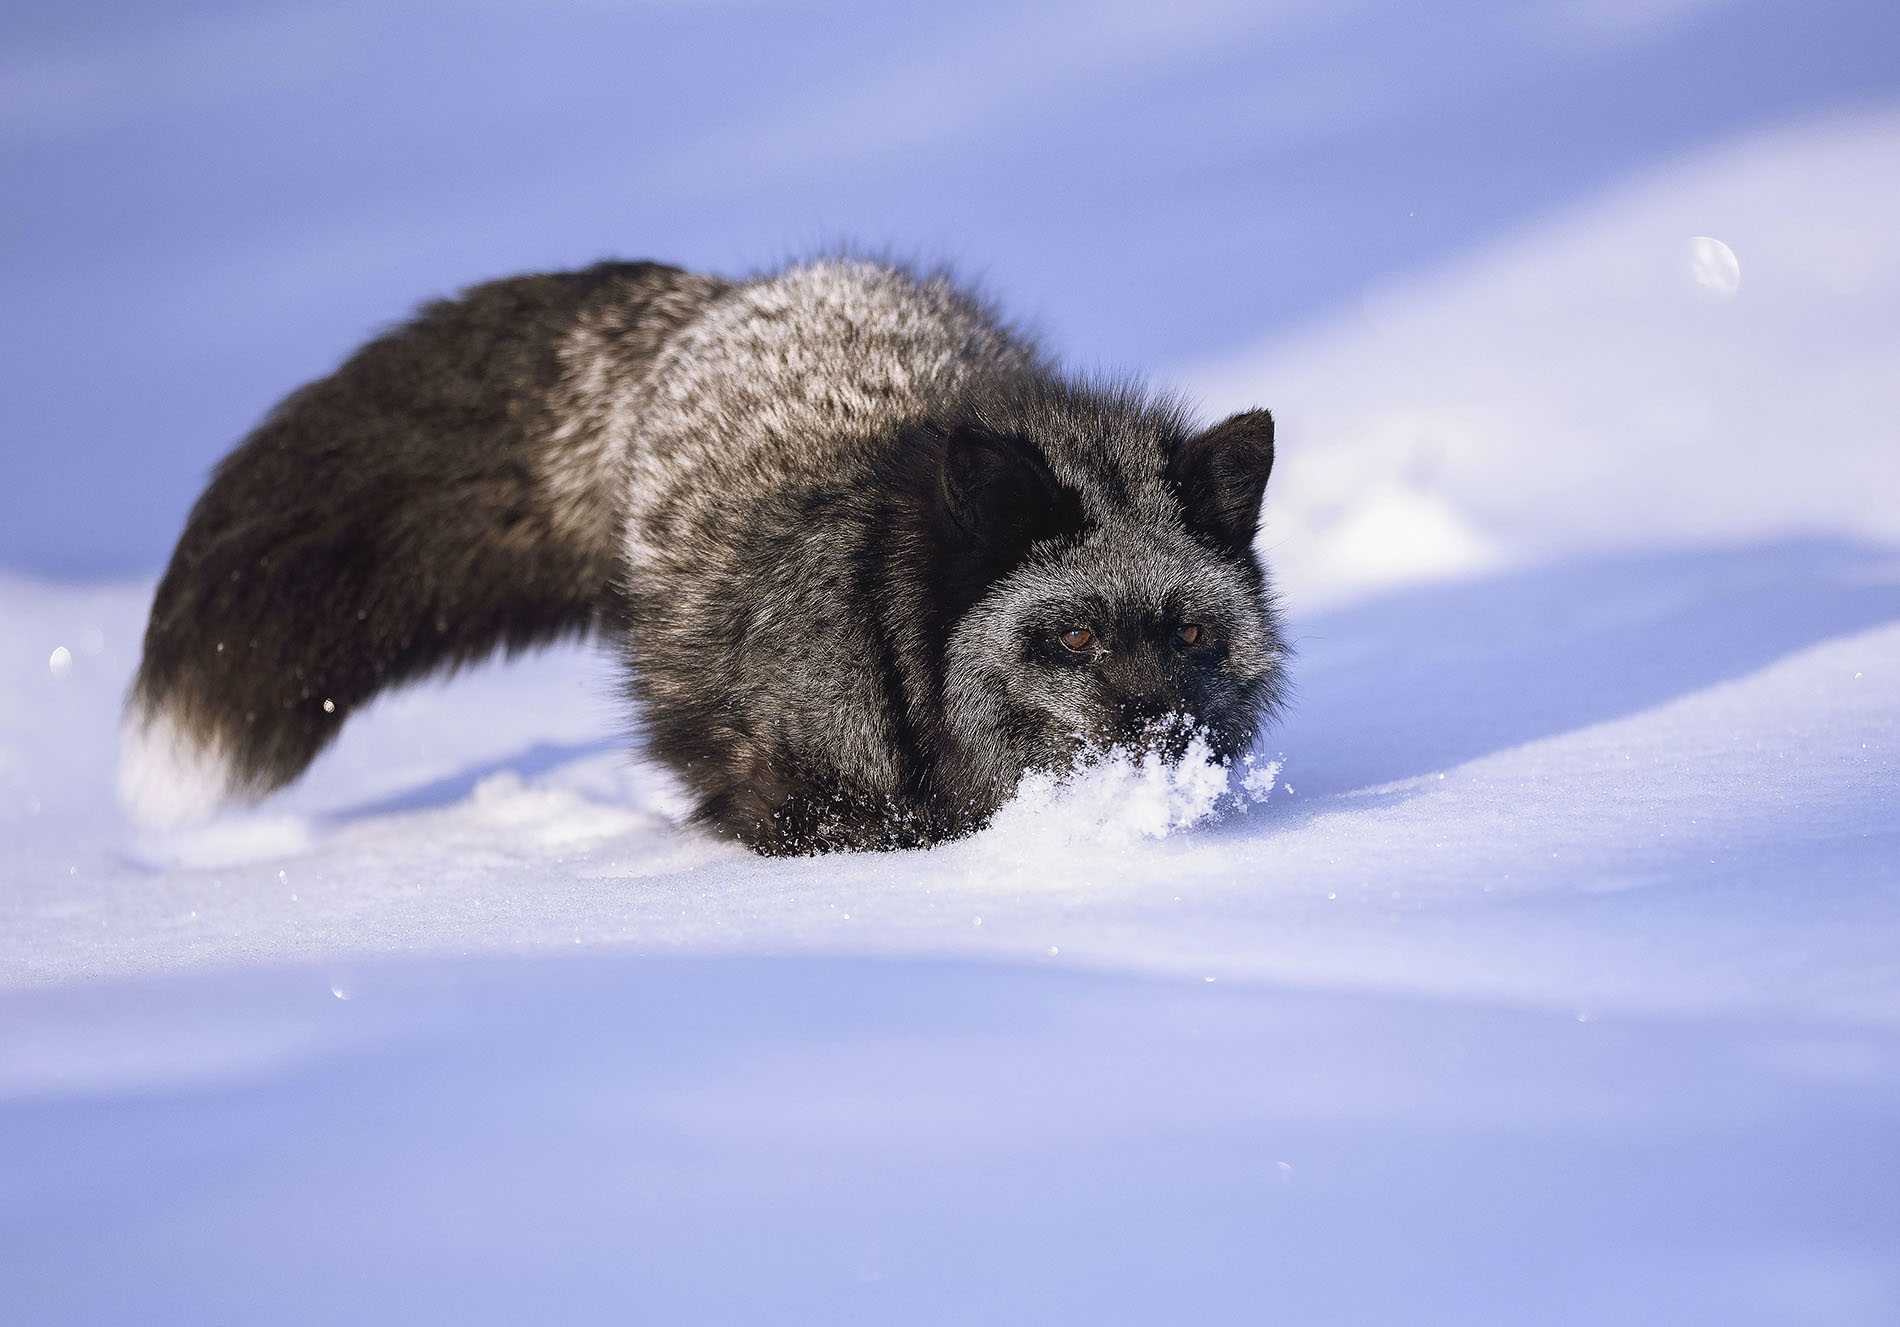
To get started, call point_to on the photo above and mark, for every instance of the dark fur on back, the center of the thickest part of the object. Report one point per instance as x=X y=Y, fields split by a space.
x=841 y=518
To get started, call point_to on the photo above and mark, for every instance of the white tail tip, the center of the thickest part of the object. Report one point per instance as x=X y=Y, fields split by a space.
x=169 y=776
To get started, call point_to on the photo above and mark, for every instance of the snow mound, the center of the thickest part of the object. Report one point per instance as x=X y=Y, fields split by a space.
x=1709 y=353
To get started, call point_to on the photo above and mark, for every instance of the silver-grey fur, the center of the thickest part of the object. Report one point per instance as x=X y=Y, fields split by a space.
x=842 y=518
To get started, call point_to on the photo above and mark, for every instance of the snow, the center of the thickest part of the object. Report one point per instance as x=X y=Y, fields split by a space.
x=1580 y=388
x=1543 y=965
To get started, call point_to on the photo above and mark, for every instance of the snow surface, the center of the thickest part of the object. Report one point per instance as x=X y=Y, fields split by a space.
x=1543 y=966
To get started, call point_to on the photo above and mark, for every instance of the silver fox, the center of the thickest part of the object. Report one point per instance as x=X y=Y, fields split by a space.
x=868 y=555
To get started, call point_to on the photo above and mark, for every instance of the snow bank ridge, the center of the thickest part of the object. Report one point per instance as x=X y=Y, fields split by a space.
x=167 y=775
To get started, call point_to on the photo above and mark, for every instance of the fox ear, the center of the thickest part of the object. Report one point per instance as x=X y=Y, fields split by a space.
x=1001 y=495
x=1221 y=475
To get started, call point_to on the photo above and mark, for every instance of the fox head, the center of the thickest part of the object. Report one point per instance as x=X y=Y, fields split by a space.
x=1114 y=597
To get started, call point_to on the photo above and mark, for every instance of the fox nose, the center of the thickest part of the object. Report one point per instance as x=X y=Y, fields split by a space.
x=1155 y=723
x=1135 y=714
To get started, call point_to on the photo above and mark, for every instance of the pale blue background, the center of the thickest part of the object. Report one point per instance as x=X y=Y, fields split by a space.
x=205 y=205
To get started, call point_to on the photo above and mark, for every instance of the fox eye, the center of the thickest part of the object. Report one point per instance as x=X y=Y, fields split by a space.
x=1078 y=639
x=1188 y=634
